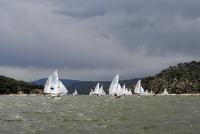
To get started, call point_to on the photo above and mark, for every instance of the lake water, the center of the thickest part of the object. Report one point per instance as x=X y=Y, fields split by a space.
x=100 y=115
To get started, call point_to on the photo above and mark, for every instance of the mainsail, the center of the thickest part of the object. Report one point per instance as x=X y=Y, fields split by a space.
x=101 y=91
x=96 y=90
x=142 y=92
x=55 y=76
x=75 y=93
x=139 y=89
x=114 y=85
x=165 y=92
x=48 y=85
x=130 y=92
x=119 y=91
x=124 y=90
x=63 y=90
x=54 y=87
x=54 y=83
x=91 y=92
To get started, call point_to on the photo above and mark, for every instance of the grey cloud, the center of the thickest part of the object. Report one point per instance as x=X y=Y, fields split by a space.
x=79 y=14
x=152 y=24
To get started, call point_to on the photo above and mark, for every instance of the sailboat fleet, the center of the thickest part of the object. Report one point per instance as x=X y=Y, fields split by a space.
x=116 y=89
x=97 y=91
x=54 y=87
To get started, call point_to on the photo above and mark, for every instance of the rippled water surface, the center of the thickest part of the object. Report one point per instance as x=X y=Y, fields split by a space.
x=101 y=115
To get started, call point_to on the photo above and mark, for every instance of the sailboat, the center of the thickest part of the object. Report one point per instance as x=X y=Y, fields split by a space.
x=75 y=93
x=146 y=92
x=119 y=91
x=101 y=91
x=54 y=86
x=165 y=92
x=96 y=90
x=114 y=85
x=152 y=93
x=124 y=90
x=91 y=92
x=128 y=92
x=139 y=89
x=47 y=85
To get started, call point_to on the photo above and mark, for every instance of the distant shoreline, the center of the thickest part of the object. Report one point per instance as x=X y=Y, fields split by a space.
x=198 y=94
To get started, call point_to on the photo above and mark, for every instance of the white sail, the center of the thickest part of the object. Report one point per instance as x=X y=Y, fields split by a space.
x=101 y=91
x=130 y=92
x=96 y=90
x=146 y=93
x=114 y=85
x=48 y=85
x=62 y=89
x=151 y=92
x=124 y=90
x=91 y=92
x=55 y=76
x=119 y=90
x=54 y=83
x=165 y=92
x=75 y=93
x=54 y=87
x=142 y=92
x=139 y=89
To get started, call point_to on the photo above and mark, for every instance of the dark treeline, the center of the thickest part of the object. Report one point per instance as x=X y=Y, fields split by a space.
x=182 y=78
x=11 y=86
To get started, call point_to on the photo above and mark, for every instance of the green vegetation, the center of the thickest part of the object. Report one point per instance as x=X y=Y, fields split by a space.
x=11 y=86
x=182 y=78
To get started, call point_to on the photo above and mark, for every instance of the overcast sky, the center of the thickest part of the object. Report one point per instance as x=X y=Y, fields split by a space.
x=95 y=39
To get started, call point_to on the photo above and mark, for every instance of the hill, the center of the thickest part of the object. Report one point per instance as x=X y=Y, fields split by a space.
x=11 y=86
x=182 y=78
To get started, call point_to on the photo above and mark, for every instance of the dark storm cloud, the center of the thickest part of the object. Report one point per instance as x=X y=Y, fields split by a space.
x=94 y=39
x=164 y=25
